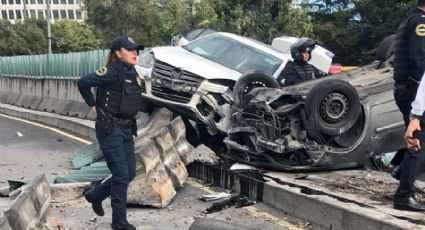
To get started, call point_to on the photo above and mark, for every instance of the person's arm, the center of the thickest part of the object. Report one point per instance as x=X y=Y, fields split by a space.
x=418 y=108
x=318 y=73
x=101 y=77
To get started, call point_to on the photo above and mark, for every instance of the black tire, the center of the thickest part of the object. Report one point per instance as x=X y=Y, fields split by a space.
x=332 y=107
x=386 y=48
x=249 y=81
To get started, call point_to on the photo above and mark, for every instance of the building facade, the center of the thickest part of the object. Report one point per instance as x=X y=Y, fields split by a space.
x=15 y=10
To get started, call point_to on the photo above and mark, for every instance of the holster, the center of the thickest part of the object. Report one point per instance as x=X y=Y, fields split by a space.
x=134 y=127
x=105 y=121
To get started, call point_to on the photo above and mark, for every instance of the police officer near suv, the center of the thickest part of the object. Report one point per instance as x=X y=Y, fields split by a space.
x=118 y=99
x=409 y=66
x=299 y=70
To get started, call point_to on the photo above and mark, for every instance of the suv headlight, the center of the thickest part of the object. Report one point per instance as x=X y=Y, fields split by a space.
x=147 y=60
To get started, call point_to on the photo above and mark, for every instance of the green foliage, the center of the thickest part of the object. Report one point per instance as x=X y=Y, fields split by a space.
x=72 y=36
x=112 y=18
x=262 y=19
x=170 y=19
x=30 y=37
x=23 y=38
x=204 y=15
x=353 y=29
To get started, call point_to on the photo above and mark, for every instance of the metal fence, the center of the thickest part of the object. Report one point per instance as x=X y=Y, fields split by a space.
x=53 y=66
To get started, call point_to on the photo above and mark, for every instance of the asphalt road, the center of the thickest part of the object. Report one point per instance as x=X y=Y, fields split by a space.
x=38 y=150
x=183 y=210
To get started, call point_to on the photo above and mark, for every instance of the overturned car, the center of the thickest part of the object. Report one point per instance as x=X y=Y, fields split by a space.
x=329 y=123
x=197 y=79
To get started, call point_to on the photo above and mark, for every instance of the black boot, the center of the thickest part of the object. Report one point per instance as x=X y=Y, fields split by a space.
x=95 y=205
x=408 y=204
x=122 y=225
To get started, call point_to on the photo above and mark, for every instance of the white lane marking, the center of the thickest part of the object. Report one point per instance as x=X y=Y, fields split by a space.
x=49 y=128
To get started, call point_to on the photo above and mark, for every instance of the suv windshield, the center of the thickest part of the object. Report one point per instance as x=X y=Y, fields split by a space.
x=233 y=54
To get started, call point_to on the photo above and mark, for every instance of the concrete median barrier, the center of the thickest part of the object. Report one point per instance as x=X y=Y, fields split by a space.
x=4 y=223
x=178 y=133
x=159 y=168
x=169 y=155
x=59 y=96
x=31 y=206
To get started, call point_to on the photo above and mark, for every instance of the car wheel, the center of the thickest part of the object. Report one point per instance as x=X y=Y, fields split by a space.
x=386 y=49
x=332 y=107
x=250 y=81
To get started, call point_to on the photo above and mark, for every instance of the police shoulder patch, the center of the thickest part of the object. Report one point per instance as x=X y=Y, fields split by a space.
x=420 y=30
x=102 y=71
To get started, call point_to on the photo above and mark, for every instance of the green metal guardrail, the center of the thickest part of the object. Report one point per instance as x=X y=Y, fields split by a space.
x=53 y=66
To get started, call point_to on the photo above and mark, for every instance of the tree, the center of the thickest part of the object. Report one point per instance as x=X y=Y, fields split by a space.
x=23 y=38
x=204 y=15
x=353 y=29
x=72 y=36
x=113 y=18
x=171 y=19
x=6 y=43
x=262 y=19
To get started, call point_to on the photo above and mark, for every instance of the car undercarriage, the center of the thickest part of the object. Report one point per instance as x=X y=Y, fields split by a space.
x=330 y=123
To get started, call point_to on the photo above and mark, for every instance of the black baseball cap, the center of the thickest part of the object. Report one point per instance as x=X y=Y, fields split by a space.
x=125 y=42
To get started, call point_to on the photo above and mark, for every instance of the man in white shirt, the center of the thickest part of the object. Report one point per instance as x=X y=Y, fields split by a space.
x=414 y=160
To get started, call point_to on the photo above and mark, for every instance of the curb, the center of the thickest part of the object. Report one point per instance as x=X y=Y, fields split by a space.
x=324 y=209
x=31 y=206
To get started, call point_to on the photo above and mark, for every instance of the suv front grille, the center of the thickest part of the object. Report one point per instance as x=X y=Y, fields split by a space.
x=173 y=83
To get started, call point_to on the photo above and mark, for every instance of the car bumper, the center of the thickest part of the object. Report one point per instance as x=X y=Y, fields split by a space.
x=207 y=105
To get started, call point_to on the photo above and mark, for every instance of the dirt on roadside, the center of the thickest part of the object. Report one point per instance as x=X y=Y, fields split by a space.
x=376 y=190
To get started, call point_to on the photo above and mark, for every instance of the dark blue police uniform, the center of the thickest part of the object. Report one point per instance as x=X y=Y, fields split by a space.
x=118 y=99
x=409 y=66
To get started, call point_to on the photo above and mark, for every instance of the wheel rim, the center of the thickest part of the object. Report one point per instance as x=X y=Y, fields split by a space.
x=334 y=108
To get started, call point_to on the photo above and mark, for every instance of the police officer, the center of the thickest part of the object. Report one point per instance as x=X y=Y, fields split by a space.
x=118 y=99
x=409 y=66
x=299 y=70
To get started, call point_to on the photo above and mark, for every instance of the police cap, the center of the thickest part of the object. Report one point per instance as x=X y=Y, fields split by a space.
x=125 y=42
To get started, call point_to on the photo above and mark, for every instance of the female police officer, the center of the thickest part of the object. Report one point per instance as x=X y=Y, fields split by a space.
x=118 y=99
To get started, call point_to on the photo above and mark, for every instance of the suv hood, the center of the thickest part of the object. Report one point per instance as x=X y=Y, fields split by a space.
x=181 y=58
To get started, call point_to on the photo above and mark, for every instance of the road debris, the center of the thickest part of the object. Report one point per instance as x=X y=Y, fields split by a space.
x=237 y=200
x=240 y=166
x=4 y=192
x=205 y=155
x=216 y=196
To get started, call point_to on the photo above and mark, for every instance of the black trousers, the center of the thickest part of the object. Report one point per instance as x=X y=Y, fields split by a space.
x=118 y=150
x=413 y=163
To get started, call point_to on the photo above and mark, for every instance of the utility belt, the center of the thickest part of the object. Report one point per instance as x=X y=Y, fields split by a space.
x=123 y=122
x=107 y=122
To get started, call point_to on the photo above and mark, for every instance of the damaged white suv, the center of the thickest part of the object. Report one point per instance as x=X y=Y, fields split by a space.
x=197 y=79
